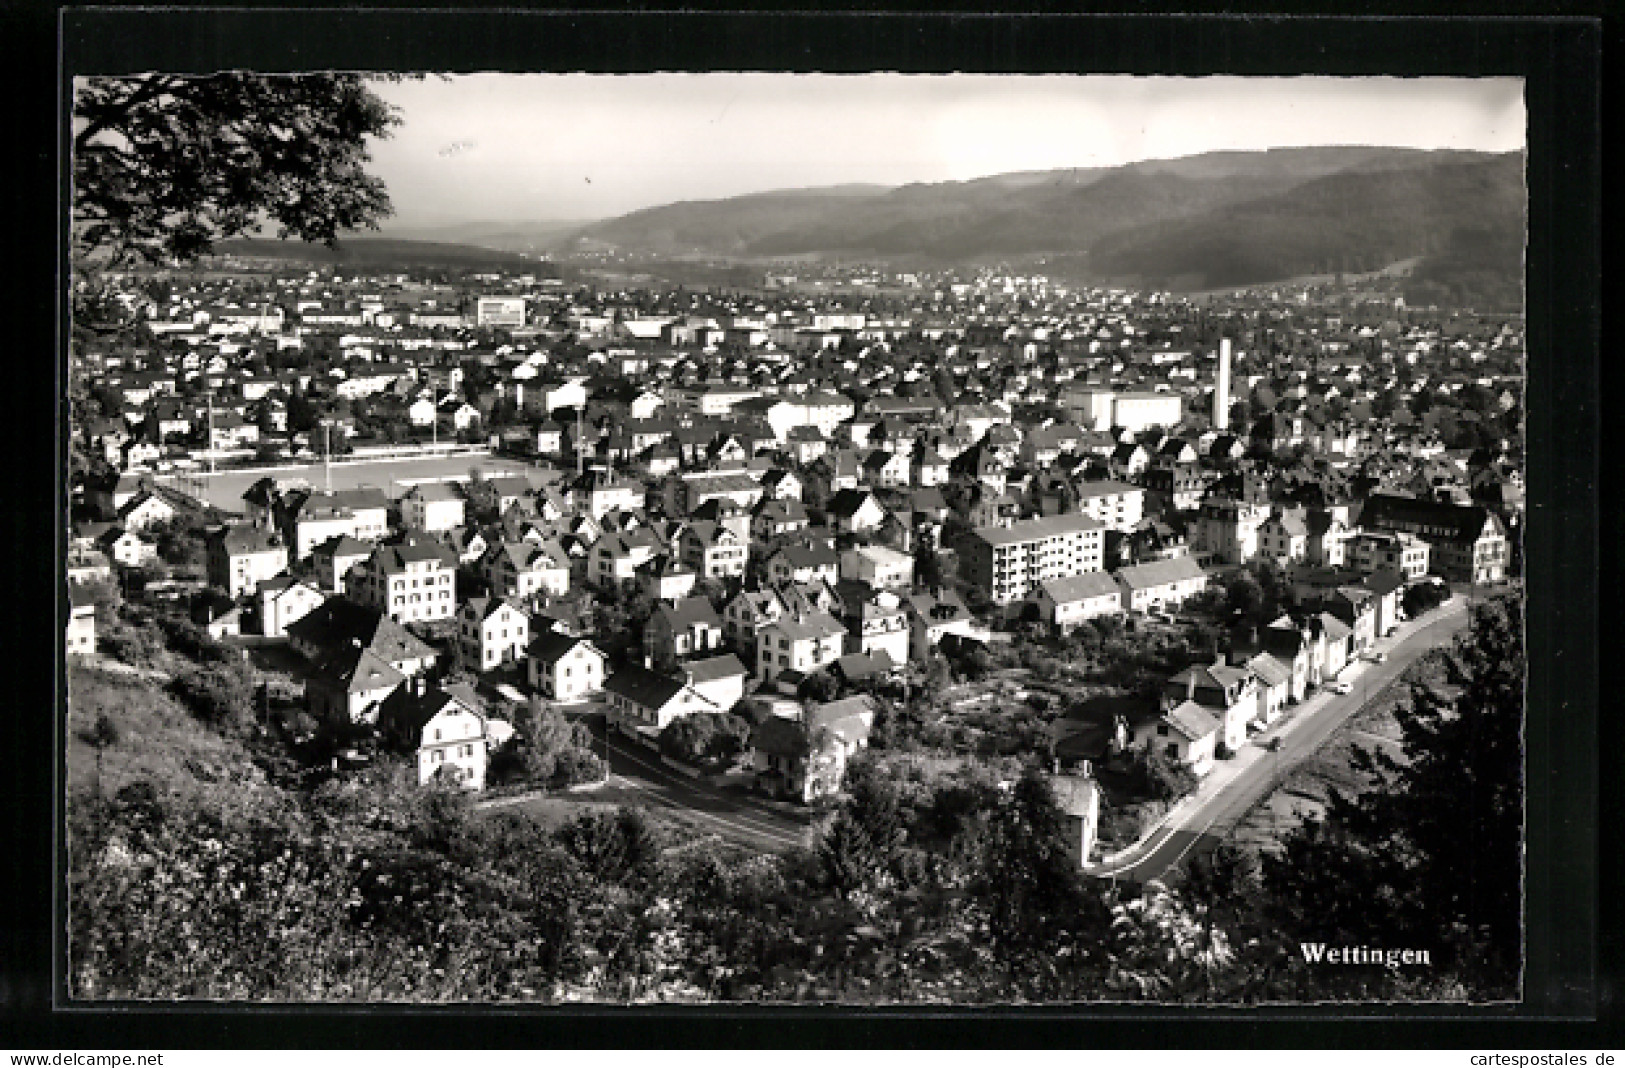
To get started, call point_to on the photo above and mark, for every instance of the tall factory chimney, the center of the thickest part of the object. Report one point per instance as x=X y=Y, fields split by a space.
x=1221 y=389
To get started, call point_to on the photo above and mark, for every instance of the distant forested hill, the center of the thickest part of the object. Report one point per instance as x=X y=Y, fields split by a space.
x=1220 y=219
x=1352 y=221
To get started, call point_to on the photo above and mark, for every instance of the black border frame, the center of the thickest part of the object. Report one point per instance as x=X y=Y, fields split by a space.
x=1560 y=58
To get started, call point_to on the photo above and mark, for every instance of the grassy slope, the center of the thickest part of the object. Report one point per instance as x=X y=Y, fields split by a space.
x=159 y=741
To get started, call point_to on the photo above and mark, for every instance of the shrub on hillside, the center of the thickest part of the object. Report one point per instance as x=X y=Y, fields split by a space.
x=139 y=645
x=221 y=695
x=193 y=642
x=1155 y=776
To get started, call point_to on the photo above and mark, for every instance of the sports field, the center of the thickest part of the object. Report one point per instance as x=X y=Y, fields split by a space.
x=225 y=489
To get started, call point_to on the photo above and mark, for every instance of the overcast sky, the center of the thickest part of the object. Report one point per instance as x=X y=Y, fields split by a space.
x=533 y=147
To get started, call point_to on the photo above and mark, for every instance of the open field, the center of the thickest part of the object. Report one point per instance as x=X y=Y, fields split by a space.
x=225 y=489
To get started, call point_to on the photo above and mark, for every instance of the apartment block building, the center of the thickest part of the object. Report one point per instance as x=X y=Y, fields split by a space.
x=1008 y=563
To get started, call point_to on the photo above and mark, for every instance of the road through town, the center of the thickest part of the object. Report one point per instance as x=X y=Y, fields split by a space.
x=638 y=777
x=1236 y=785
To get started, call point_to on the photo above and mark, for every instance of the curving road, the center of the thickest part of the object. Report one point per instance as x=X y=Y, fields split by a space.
x=1236 y=785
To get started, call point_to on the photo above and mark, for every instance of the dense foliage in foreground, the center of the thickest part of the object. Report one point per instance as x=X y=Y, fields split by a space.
x=928 y=883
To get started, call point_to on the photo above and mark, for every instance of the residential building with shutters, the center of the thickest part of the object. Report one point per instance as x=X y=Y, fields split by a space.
x=491 y=632
x=803 y=642
x=442 y=728
x=413 y=582
x=564 y=667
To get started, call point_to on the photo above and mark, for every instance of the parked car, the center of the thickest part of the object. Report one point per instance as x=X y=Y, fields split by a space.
x=1339 y=687
x=1377 y=657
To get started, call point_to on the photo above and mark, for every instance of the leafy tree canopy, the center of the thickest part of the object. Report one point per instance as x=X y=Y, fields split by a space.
x=165 y=166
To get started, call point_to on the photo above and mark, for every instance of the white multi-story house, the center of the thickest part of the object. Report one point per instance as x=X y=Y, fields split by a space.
x=617 y=557
x=413 y=582
x=565 y=668
x=524 y=569
x=1372 y=551
x=1066 y=602
x=447 y=735
x=803 y=641
x=433 y=506
x=933 y=616
x=1284 y=538
x=285 y=600
x=1160 y=583
x=713 y=550
x=880 y=567
x=878 y=623
x=491 y=632
x=1226 y=531
x=240 y=558
x=1115 y=505
x=808 y=562
x=312 y=517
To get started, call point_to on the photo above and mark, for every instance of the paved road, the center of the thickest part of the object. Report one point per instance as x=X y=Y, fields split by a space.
x=1235 y=786
x=638 y=777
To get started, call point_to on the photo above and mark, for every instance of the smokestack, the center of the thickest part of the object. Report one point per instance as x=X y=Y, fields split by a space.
x=1221 y=389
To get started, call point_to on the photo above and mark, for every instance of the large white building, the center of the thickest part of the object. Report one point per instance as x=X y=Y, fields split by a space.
x=1142 y=411
x=500 y=311
x=882 y=568
x=1098 y=408
x=819 y=408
